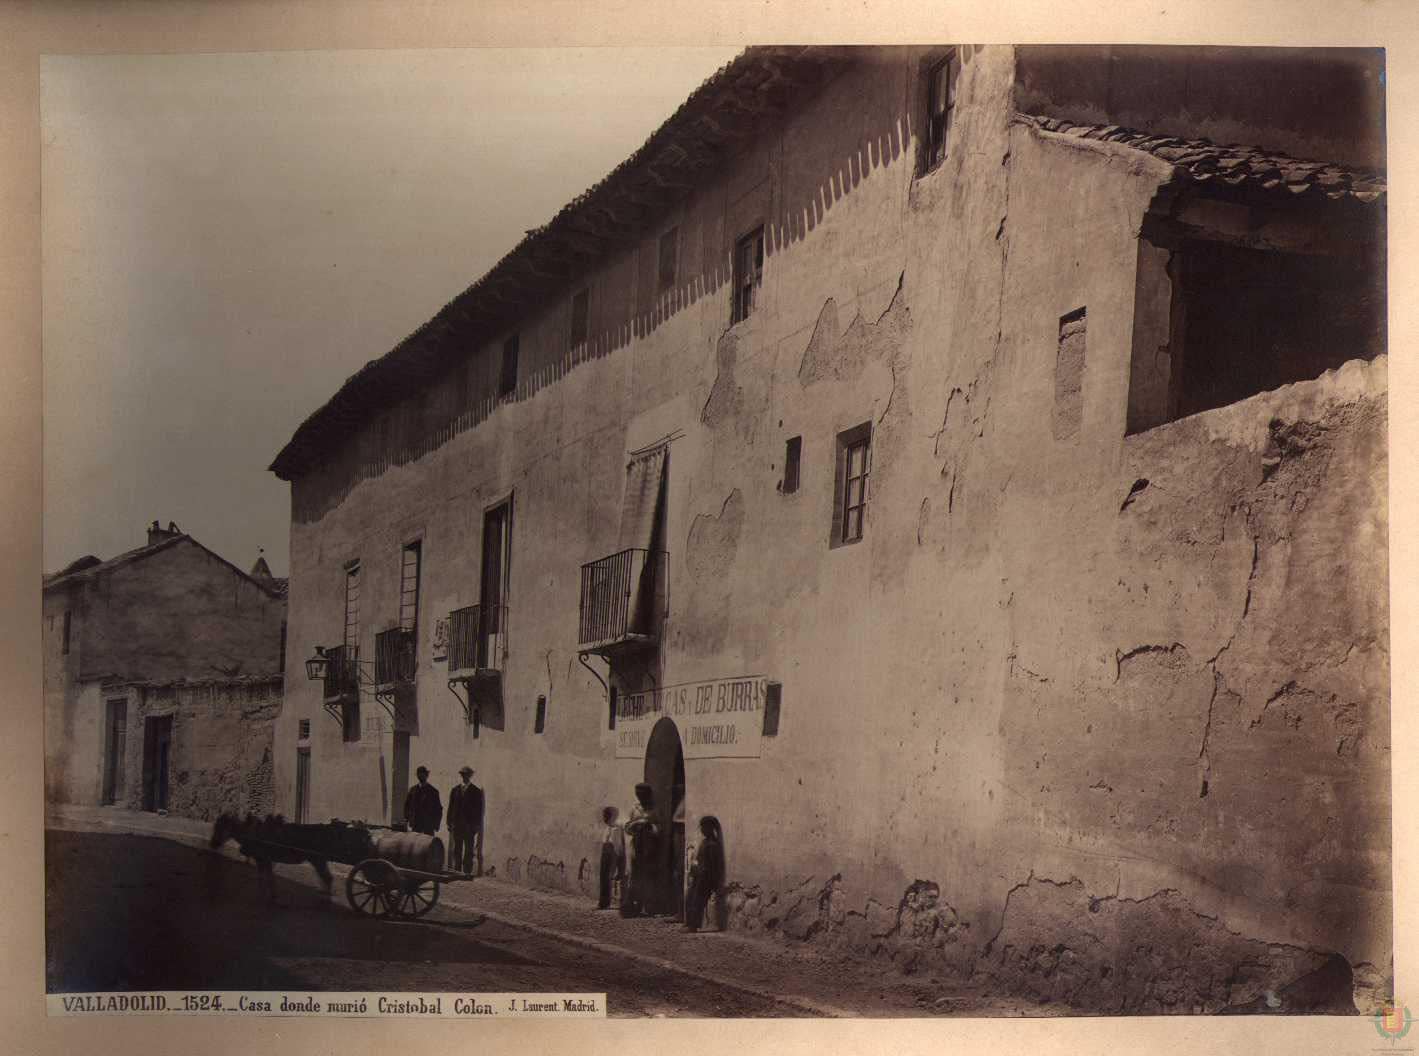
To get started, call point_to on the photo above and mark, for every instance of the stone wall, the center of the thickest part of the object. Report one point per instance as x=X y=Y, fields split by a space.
x=222 y=742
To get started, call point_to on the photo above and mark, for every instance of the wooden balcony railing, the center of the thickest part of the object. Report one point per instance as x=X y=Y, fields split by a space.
x=394 y=656
x=622 y=599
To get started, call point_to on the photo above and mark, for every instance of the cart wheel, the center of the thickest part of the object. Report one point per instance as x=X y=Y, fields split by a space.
x=416 y=897
x=372 y=888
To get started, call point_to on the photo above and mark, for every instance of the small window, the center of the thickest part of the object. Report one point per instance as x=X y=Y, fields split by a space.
x=851 y=484
x=507 y=378
x=773 y=701
x=303 y=733
x=1069 y=374
x=748 y=273
x=940 y=102
x=792 y=452
x=67 y=615
x=580 y=316
x=540 y=722
x=669 y=254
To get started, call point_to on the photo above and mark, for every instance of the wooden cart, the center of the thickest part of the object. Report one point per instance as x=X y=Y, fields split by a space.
x=393 y=872
x=378 y=887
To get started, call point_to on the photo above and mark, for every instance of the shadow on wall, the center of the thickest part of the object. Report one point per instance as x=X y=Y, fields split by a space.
x=444 y=409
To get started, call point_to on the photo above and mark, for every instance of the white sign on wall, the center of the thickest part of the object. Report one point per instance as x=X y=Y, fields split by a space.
x=719 y=718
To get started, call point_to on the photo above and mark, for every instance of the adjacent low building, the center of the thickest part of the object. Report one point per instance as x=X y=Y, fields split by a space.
x=162 y=679
x=960 y=470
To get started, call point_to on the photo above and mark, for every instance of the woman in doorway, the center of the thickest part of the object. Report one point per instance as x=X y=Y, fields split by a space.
x=645 y=853
x=707 y=874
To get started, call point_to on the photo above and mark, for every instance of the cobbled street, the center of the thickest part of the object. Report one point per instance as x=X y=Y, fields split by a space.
x=136 y=910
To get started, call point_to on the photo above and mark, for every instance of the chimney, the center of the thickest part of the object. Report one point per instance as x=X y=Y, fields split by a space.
x=157 y=534
x=261 y=570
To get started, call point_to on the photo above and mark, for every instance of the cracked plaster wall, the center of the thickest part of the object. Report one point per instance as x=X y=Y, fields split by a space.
x=1008 y=681
x=1154 y=667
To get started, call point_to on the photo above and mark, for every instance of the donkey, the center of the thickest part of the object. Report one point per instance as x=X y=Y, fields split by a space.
x=267 y=841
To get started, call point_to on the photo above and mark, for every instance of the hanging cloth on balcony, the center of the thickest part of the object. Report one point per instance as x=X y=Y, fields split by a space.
x=641 y=515
x=645 y=480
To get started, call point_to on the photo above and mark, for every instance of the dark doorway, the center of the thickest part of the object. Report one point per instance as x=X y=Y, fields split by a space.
x=665 y=773
x=157 y=747
x=493 y=588
x=115 y=749
x=302 y=786
x=1255 y=320
x=399 y=778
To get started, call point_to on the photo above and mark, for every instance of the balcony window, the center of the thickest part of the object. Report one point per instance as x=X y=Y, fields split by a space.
x=342 y=689
x=409 y=586
x=475 y=658
x=352 y=607
x=394 y=656
x=618 y=599
x=623 y=595
x=493 y=589
x=474 y=640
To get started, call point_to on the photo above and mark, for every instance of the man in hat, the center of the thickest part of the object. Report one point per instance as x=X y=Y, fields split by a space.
x=423 y=809
x=465 y=824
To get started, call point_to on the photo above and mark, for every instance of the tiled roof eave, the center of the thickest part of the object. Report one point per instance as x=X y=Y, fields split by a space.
x=709 y=126
x=1231 y=165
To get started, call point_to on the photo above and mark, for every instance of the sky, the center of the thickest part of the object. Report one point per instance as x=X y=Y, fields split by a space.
x=227 y=237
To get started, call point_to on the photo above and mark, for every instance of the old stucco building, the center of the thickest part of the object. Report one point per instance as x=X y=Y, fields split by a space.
x=162 y=679
x=960 y=470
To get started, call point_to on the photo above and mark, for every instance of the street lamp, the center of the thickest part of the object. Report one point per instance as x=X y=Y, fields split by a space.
x=316 y=666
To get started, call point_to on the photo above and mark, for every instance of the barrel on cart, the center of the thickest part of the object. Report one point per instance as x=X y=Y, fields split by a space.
x=393 y=873
x=401 y=877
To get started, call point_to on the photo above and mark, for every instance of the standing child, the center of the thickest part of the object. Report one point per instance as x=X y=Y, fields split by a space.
x=613 y=856
x=707 y=874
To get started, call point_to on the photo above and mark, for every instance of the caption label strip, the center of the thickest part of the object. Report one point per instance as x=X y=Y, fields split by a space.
x=356 y=1005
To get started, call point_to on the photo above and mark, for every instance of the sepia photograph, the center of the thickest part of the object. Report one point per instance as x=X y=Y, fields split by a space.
x=754 y=532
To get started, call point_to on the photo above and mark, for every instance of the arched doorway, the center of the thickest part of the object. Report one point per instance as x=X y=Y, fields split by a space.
x=665 y=773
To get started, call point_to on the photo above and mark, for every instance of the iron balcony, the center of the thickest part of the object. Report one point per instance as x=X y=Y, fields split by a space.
x=622 y=601
x=342 y=675
x=394 y=657
x=477 y=639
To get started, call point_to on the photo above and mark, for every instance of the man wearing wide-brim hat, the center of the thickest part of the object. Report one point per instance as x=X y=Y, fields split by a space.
x=465 y=824
x=423 y=810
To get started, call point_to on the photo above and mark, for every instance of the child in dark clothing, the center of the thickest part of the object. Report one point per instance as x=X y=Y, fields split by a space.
x=707 y=874
x=641 y=894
